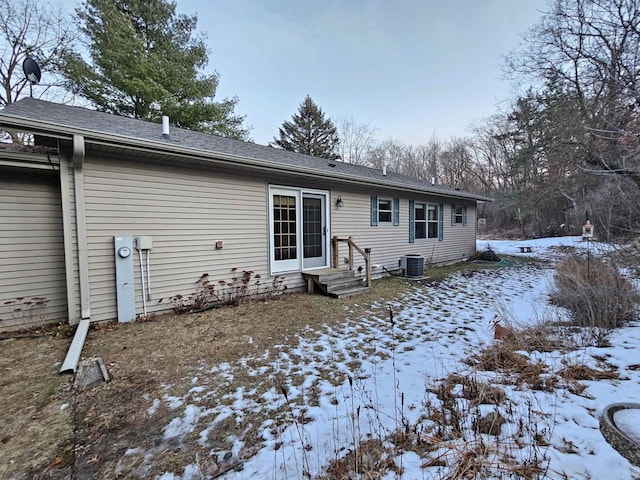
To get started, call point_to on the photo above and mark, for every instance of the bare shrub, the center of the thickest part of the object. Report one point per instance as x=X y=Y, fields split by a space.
x=487 y=255
x=30 y=312
x=203 y=296
x=594 y=292
x=241 y=286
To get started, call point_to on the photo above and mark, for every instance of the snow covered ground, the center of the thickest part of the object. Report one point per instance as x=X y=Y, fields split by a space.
x=374 y=377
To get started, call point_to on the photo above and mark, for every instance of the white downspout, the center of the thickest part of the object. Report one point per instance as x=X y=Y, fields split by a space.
x=70 y=363
x=73 y=312
x=81 y=225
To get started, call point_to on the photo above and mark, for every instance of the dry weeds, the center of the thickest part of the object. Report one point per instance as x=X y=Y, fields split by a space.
x=499 y=357
x=503 y=357
x=36 y=432
x=148 y=360
x=155 y=359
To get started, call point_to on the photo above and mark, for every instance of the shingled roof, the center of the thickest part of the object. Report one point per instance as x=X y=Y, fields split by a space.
x=61 y=119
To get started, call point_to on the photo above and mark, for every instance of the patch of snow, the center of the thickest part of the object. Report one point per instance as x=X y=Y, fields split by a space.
x=172 y=401
x=192 y=472
x=181 y=426
x=154 y=407
x=628 y=421
x=371 y=376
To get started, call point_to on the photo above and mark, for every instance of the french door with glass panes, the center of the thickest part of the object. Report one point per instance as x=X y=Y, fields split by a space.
x=299 y=237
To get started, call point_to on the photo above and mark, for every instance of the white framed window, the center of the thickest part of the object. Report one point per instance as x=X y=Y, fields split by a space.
x=385 y=210
x=433 y=223
x=420 y=222
x=458 y=215
x=425 y=221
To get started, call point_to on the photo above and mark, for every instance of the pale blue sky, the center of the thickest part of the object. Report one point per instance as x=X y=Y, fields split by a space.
x=409 y=68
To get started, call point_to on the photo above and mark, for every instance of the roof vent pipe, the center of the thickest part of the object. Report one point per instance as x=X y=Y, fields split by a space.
x=384 y=170
x=165 y=126
x=433 y=180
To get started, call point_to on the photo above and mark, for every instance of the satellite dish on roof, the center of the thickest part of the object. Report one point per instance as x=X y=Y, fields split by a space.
x=32 y=71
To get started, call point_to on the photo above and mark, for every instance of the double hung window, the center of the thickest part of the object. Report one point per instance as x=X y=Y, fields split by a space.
x=458 y=215
x=385 y=211
x=425 y=221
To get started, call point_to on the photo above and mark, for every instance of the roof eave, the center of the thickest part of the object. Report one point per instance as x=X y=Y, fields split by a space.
x=162 y=147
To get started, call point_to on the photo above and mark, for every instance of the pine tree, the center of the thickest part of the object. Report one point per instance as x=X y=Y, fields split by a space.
x=145 y=62
x=309 y=132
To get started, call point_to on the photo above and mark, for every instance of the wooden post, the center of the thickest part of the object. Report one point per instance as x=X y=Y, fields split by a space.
x=350 y=253
x=334 y=241
x=367 y=261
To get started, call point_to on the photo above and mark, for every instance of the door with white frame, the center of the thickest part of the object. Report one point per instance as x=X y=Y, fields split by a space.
x=298 y=229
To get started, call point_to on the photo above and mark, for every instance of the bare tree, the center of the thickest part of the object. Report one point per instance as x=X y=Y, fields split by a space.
x=589 y=50
x=491 y=151
x=356 y=141
x=423 y=161
x=36 y=30
x=388 y=153
x=456 y=164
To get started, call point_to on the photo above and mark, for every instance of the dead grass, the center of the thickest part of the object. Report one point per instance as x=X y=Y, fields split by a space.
x=499 y=357
x=503 y=357
x=149 y=360
x=542 y=337
x=440 y=273
x=583 y=372
x=371 y=459
x=160 y=358
x=36 y=432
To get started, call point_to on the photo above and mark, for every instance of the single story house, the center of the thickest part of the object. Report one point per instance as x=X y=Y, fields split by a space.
x=93 y=183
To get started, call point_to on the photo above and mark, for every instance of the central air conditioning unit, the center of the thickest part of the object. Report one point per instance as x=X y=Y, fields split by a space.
x=413 y=265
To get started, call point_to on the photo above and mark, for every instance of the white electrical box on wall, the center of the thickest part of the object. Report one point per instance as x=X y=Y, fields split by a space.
x=144 y=243
x=125 y=287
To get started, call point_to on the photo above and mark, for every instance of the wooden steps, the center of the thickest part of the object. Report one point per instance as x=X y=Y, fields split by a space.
x=335 y=283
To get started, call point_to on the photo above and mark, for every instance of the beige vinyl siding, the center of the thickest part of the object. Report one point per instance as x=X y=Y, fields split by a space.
x=388 y=242
x=460 y=239
x=185 y=211
x=31 y=247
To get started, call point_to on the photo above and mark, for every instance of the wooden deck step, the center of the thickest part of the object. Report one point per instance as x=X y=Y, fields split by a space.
x=335 y=283
x=350 y=292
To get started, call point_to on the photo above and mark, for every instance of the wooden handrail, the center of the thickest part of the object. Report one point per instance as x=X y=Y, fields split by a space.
x=366 y=254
